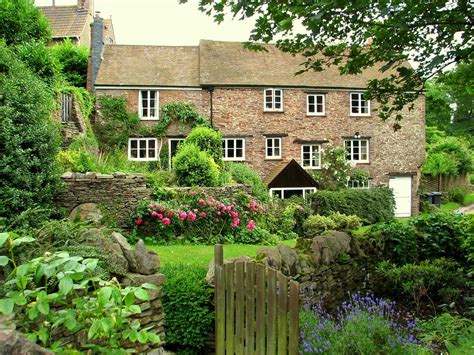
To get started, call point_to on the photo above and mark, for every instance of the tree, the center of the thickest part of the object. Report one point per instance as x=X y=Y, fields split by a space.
x=21 y=21
x=29 y=140
x=73 y=62
x=355 y=35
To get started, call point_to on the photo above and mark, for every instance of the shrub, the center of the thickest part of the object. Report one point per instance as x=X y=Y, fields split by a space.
x=259 y=236
x=335 y=169
x=194 y=167
x=29 y=140
x=187 y=304
x=363 y=325
x=345 y=223
x=456 y=194
x=448 y=155
x=208 y=140
x=73 y=62
x=243 y=174
x=316 y=224
x=370 y=205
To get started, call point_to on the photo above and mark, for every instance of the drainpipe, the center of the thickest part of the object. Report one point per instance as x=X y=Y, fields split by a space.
x=211 y=91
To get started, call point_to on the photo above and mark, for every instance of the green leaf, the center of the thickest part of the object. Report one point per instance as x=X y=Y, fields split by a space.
x=93 y=330
x=6 y=305
x=107 y=324
x=133 y=335
x=22 y=270
x=155 y=339
x=43 y=335
x=33 y=313
x=22 y=240
x=3 y=260
x=66 y=284
x=142 y=337
x=141 y=294
x=129 y=299
x=70 y=324
x=43 y=307
x=135 y=309
x=18 y=298
x=3 y=238
x=104 y=295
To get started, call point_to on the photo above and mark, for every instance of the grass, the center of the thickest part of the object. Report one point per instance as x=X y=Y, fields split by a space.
x=201 y=255
x=449 y=206
x=469 y=199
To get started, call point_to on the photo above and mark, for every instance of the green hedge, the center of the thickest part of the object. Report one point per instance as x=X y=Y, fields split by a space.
x=371 y=205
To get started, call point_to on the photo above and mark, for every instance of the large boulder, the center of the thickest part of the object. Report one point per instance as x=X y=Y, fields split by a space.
x=290 y=261
x=326 y=248
x=13 y=342
x=210 y=276
x=86 y=212
x=270 y=256
x=148 y=262
x=127 y=250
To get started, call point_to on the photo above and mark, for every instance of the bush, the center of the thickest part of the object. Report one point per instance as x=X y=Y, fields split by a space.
x=316 y=224
x=207 y=140
x=335 y=169
x=259 y=236
x=370 y=205
x=456 y=194
x=73 y=62
x=345 y=223
x=243 y=174
x=187 y=304
x=194 y=167
x=29 y=139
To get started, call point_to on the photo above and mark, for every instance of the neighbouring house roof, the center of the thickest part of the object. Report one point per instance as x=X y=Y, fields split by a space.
x=289 y=174
x=149 y=66
x=109 y=34
x=65 y=21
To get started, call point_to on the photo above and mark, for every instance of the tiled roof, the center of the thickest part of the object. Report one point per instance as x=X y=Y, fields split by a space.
x=65 y=21
x=149 y=66
x=289 y=174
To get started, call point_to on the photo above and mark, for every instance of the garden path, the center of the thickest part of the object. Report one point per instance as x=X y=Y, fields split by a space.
x=466 y=209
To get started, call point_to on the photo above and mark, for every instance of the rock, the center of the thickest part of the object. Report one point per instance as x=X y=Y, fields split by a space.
x=326 y=248
x=86 y=212
x=210 y=270
x=290 y=263
x=132 y=279
x=148 y=262
x=127 y=250
x=270 y=256
x=12 y=342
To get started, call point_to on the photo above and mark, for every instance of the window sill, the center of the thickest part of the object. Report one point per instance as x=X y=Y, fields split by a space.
x=352 y=115
x=360 y=162
x=149 y=119
x=315 y=115
x=273 y=111
x=273 y=159
x=237 y=160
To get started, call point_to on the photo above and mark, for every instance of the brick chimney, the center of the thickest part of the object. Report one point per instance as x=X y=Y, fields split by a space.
x=96 y=50
x=85 y=5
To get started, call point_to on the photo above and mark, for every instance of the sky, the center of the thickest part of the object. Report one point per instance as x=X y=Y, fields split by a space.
x=163 y=22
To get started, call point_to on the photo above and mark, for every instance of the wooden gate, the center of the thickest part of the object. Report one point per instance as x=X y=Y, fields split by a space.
x=257 y=309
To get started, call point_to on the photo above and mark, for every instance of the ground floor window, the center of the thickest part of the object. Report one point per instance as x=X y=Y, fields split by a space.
x=173 y=144
x=311 y=156
x=287 y=192
x=354 y=184
x=233 y=149
x=142 y=149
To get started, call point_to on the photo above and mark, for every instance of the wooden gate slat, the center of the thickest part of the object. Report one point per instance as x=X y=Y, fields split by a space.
x=239 y=308
x=294 y=312
x=260 y=310
x=249 y=308
x=230 y=308
x=220 y=310
x=282 y=315
x=271 y=312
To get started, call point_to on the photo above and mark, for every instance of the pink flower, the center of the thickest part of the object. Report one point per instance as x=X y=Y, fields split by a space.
x=219 y=213
x=251 y=225
x=235 y=223
x=211 y=200
x=166 y=221
x=151 y=206
x=203 y=214
x=161 y=209
x=195 y=210
x=193 y=193
x=170 y=213
x=202 y=202
x=234 y=214
x=154 y=213
x=138 y=221
x=159 y=215
x=191 y=216
x=183 y=215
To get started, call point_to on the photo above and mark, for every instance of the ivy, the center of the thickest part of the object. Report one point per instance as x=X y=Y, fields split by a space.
x=183 y=113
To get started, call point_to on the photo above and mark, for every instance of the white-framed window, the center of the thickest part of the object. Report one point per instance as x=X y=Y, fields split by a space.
x=173 y=144
x=273 y=100
x=311 y=156
x=354 y=184
x=233 y=149
x=315 y=104
x=287 y=192
x=66 y=107
x=142 y=149
x=357 y=150
x=149 y=104
x=360 y=106
x=273 y=148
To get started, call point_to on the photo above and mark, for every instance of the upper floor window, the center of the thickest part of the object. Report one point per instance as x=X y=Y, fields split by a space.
x=149 y=104
x=142 y=149
x=357 y=150
x=273 y=100
x=66 y=107
x=311 y=156
x=360 y=106
x=273 y=148
x=233 y=149
x=315 y=105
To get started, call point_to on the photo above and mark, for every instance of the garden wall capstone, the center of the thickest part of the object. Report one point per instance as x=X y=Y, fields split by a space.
x=117 y=195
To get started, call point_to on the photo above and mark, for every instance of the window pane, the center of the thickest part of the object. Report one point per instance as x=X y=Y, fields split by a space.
x=151 y=153
x=319 y=99
x=276 y=142
x=269 y=143
x=239 y=143
x=144 y=95
x=269 y=152
x=276 y=152
x=239 y=153
x=133 y=144
x=152 y=95
x=311 y=99
x=151 y=143
x=142 y=144
x=230 y=144
x=145 y=112
x=230 y=153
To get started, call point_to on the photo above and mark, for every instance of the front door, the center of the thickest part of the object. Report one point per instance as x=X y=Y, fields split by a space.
x=401 y=186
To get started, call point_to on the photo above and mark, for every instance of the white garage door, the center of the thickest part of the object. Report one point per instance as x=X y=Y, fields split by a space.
x=401 y=186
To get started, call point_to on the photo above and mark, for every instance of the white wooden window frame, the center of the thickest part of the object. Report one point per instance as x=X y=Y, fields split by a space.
x=225 y=148
x=360 y=99
x=179 y=140
x=147 y=150
x=311 y=148
x=315 y=104
x=351 y=184
x=351 y=154
x=272 y=102
x=273 y=147
x=141 y=107
x=306 y=190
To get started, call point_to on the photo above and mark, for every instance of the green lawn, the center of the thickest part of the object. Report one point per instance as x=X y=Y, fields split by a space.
x=200 y=255
x=449 y=206
x=469 y=199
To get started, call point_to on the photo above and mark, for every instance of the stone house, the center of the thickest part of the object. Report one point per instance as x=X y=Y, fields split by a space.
x=267 y=114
